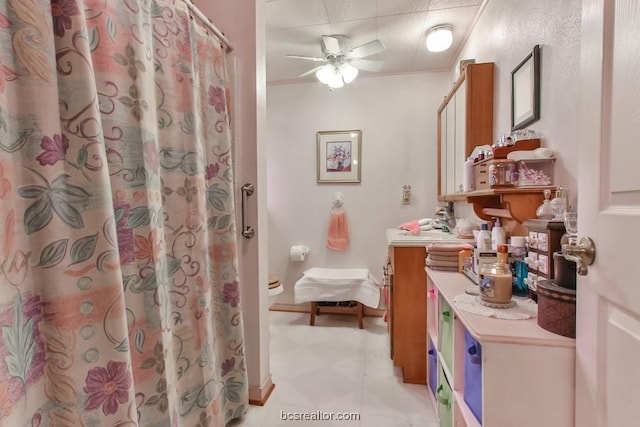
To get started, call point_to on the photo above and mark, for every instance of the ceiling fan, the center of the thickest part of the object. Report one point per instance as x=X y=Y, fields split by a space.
x=341 y=62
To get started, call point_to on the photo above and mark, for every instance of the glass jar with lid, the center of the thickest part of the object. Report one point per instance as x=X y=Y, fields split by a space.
x=503 y=173
x=496 y=279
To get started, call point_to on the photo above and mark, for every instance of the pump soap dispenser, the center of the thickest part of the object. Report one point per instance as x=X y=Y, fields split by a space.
x=498 y=236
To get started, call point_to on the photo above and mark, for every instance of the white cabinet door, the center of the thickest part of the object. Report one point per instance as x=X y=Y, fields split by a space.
x=461 y=136
x=608 y=297
x=443 y=151
x=451 y=145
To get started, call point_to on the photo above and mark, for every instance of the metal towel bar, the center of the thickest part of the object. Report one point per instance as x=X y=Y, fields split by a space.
x=247 y=230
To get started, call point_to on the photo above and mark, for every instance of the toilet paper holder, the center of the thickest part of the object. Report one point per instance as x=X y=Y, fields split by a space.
x=298 y=252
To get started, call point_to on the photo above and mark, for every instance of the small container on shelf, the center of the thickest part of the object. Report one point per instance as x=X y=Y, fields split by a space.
x=502 y=173
x=535 y=172
x=545 y=211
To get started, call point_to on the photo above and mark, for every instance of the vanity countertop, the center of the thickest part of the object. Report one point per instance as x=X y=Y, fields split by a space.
x=397 y=237
x=490 y=329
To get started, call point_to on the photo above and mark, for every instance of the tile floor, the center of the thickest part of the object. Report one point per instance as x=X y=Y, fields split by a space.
x=336 y=367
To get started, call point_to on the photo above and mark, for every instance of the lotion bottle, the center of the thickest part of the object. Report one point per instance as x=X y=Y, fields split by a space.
x=484 y=238
x=498 y=236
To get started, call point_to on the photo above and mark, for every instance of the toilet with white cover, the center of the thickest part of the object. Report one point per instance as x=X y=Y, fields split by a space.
x=275 y=289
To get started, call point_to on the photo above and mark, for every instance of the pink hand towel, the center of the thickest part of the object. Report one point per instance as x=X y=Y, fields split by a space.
x=412 y=226
x=338 y=236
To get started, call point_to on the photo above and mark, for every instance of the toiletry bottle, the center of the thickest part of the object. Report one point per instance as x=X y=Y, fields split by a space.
x=484 y=238
x=545 y=210
x=519 y=268
x=498 y=235
x=468 y=176
x=559 y=204
x=495 y=279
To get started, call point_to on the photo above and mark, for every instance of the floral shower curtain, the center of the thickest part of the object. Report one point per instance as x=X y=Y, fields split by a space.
x=119 y=299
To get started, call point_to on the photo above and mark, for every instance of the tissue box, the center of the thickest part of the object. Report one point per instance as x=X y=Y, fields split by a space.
x=535 y=172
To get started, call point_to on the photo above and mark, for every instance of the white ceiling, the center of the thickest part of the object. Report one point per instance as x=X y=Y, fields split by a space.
x=296 y=26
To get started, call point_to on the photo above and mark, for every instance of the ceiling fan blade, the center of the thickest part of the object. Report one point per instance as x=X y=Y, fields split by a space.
x=311 y=71
x=308 y=58
x=331 y=45
x=367 y=64
x=367 y=49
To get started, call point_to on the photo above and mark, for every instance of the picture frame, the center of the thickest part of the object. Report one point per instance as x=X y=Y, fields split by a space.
x=339 y=154
x=525 y=91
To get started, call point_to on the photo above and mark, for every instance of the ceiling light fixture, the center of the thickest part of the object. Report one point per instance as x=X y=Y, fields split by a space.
x=337 y=73
x=439 y=38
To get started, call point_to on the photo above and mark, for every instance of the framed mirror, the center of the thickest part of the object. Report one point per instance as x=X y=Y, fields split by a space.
x=525 y=91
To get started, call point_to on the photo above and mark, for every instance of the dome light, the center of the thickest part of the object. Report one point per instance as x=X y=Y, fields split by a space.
x=439 y=38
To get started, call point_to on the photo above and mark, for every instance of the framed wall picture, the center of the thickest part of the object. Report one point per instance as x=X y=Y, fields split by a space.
x=525 y=91
x=339 y=156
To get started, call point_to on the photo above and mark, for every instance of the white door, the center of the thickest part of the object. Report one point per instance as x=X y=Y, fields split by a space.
x=608 y=305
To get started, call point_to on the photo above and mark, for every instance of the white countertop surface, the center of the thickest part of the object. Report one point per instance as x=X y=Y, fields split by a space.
x=397 y=237
x=489 y=329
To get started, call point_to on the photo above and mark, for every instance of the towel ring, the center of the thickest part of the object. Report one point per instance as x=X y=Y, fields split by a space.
x=338 y=202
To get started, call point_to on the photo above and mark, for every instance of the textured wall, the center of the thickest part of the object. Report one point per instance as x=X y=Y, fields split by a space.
x=505 y=34
x=397 y=116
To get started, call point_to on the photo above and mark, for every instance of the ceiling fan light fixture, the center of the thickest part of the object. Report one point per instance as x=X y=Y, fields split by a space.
x=439 y=38
x=335 y=76
x=349 y=72
x=336 y=80
x=325 y=74
x=338 y=56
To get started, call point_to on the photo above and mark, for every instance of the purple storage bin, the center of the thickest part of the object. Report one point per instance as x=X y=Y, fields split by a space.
x=433 y=368
x=473 y=375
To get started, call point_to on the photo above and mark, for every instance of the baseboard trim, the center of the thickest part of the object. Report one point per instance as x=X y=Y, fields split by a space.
x=258 y=395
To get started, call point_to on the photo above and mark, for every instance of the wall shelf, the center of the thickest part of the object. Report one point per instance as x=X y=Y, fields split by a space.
x=516 y=203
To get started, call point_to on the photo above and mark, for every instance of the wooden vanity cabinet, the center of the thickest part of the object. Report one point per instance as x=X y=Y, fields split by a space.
x=465 y=120
x=408 y=312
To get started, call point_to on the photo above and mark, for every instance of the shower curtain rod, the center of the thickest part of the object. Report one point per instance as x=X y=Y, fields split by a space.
x=206 y=21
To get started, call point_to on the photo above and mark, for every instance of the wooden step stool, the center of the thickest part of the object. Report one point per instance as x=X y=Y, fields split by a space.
x=356 y=309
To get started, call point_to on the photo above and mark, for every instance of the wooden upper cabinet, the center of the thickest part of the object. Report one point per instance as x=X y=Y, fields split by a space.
x=465 y=120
